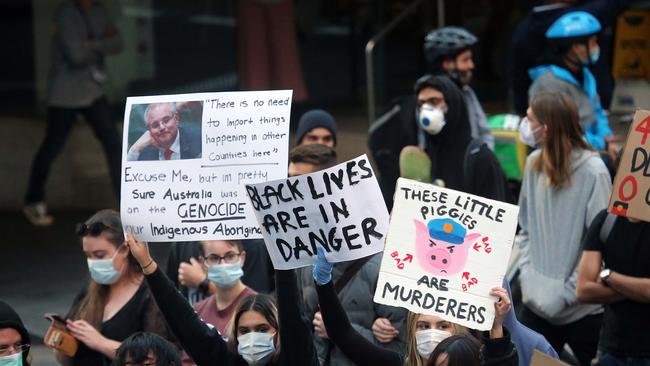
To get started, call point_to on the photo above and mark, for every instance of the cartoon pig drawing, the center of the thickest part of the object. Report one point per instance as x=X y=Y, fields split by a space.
x=442 y=246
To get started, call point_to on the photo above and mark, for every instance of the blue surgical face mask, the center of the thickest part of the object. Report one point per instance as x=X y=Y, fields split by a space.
x=225 y=275
x=256 y=348
x=12 y=360
x=102 y=270
x=594 y=55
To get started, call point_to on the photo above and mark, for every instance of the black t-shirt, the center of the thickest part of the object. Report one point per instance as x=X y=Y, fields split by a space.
x=626 y=324
x=140 y=313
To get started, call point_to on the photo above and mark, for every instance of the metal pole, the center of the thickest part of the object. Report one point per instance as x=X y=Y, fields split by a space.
x=370 y=79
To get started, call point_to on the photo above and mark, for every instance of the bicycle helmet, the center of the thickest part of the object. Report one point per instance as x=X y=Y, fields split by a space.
x=573 y=25
x=447 y=42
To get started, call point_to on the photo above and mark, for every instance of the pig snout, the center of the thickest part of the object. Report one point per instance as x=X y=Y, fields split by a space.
x=439 y=258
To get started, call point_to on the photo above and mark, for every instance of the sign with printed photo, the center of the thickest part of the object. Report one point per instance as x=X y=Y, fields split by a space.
x=340 y=209
x=187 y=157
x=631 y=190
x=445 y=250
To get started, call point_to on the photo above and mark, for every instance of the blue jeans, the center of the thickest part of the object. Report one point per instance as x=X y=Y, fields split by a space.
x=605 y=359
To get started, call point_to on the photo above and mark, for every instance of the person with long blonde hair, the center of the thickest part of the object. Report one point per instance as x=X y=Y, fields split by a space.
x=565 y=185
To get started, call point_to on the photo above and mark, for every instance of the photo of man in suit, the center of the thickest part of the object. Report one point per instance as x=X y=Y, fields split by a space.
x=164 y=138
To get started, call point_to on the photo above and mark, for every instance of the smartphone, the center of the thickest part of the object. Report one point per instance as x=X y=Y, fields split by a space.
x=55 y=318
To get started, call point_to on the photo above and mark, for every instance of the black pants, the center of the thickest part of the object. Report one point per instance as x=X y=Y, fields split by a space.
x=581 y=335
x=59 y=125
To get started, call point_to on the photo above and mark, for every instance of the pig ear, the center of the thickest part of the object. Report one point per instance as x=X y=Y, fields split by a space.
x=420 y=227
x=471 y=237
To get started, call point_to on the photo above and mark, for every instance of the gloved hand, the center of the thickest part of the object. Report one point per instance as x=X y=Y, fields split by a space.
x=322 y=270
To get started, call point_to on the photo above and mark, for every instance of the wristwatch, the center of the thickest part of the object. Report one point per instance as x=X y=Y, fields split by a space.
x=604 y=274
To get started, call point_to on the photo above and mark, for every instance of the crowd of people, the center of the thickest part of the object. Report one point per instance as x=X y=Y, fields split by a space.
x=583 y=274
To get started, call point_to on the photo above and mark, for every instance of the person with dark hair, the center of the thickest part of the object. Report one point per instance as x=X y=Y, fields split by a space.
x=83 y=35
x=308 y=158
x=223 y=261
x=316 y=127
x=458 y=350
x=448 y=51
x=258 y=326
x=614 y=270
x=116 y=302
x=149 y=349
x=14 y=338
x=565 y=186
x=441 y=130
x=497 y=348
x=574 y=38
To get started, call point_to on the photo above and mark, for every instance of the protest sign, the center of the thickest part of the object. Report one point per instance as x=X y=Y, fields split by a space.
x=631 y=190
x=445 y=250
x=340 y=209
x=542 y=359
x=187 y=157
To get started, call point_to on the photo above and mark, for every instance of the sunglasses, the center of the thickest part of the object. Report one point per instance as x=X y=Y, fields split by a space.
x=94 y=229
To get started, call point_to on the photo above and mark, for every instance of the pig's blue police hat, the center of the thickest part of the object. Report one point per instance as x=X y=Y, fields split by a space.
x=447 y=230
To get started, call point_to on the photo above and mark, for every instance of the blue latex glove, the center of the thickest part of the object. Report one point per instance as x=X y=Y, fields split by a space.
x=322 y=271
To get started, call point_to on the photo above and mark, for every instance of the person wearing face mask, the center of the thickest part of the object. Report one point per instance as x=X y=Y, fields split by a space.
x=442 y=131
x=565 y=186
x=424 y=333
x=256 y=325
x=14 y=338
x=574 y=41
x=448 y=51
x=223 y=260
x=116 y=302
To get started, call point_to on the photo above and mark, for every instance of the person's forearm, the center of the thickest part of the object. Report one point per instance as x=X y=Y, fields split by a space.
x=634 y=288
x=109 y=347
x=596 y=293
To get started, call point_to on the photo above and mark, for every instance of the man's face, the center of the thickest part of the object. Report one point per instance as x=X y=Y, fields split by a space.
x=296 y=169
x=463 y=64
x=318 y=135
x=162 y=123
x=581 y=52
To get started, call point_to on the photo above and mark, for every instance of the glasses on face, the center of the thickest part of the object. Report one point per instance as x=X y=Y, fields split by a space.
x=166 y=121
x=93 y=229
x=229 y=258
x=13 y=349
x=433 y=101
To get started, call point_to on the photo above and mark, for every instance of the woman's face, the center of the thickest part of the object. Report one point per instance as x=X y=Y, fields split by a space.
x=98 y=247
x=252 y=321
x=538 y=129
x=424 y=322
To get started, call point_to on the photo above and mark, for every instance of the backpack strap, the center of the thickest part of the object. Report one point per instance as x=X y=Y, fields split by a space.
x=606 y=229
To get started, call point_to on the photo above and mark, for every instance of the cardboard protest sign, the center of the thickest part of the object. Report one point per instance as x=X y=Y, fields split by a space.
x=340 y=209
x=445 y=250
x=187 y=157
x=631 y=190
x=542 y=359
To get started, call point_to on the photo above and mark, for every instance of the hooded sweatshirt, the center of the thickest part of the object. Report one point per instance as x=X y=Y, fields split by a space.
x=556 y=220
x=553 y=78
x=10 y=319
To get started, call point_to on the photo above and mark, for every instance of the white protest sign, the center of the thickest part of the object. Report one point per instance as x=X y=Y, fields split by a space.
x=340 y=208
x=187 y=157
x=445 y=250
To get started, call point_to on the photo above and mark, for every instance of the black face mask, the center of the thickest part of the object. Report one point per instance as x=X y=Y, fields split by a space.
x=461 y=78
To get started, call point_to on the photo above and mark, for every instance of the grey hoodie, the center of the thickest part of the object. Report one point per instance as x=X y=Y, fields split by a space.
x=556 y=221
